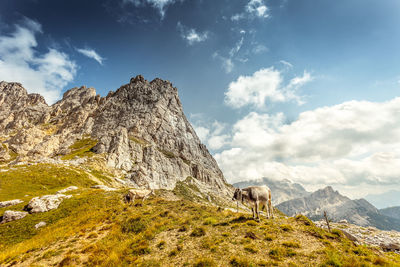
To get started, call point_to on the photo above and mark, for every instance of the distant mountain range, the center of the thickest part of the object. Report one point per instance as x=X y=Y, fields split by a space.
x=283 y=190
x=384 y=200
x=393 y=212
x=291 y=198
x=339 y=207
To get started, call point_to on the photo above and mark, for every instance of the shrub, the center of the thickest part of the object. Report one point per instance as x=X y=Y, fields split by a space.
x=336 y=232
x=303 y=219
x=173 y=253
x=291 y=244
x=286 y=227
x=269 y=238
x=251 y=223
x=204 y=262
x=141 y=248
x=133 y=225
x=183 y=228
x=198 y=231
x=251 y=249
x=210 y=221
x=276 y=253
x=380 y=261
x=161 y=244
x=240 y=262
x=333 y=259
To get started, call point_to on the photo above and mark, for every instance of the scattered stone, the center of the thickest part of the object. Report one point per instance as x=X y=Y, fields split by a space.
x=350 y=236
x=71 y=188
x=344 y=221
x=371 y=236
x=41 y=224
x=10 y=203
x=10 y=215
x=390 y=247
x=103 y=187
x=45 y=203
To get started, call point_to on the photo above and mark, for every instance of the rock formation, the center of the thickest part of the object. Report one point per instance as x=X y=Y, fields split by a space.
x=10 y=203
x=140 y=129
x=10 y=215
x=45 y=203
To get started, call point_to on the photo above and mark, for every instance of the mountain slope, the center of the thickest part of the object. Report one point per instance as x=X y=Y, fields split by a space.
x=140 y=132
x=95 y=228
x=338 y=207
x=282 y=190
x=393 y=212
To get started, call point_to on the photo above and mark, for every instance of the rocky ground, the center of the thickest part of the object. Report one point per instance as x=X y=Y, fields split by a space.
x=371 y=236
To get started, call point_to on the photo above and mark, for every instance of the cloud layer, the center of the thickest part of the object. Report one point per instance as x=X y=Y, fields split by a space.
x=348 y=145
x=45 y=73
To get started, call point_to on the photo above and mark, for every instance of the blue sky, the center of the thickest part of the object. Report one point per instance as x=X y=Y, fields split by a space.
x=296 y=89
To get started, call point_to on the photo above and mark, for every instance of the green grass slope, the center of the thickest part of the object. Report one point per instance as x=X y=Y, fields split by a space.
x=95 y=228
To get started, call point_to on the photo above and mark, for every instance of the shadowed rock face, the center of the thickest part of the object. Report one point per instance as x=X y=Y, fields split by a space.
x=140 y=128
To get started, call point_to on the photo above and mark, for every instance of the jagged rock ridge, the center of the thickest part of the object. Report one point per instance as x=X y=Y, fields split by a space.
x=140 y=129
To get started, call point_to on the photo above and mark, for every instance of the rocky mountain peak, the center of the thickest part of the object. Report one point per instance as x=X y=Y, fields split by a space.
x=15 y=94
x=140 y=129
x=326 y=192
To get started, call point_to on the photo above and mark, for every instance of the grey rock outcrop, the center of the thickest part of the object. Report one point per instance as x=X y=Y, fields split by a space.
x=10 y=203
x=10 y=215
x=40 y=224
x=140 y=129
x=70 y=188
x=45 y=203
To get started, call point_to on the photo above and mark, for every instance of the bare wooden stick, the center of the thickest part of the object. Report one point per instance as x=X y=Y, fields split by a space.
x=327 y=221
x=237 y=206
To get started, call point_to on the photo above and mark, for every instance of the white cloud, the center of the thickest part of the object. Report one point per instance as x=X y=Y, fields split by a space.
x=254 y=8
x=227 y=61
x=259 y=49
x=263 y=85
x=257 y=8
x=191 y=35
x=90 y=53
x=237 y=47
x=212 y=134
x=351 y=146
x=45 y=74
x=286 y=63
x=161 y=5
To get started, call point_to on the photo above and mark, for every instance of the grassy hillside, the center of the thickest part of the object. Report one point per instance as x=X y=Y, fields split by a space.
x=97 y=228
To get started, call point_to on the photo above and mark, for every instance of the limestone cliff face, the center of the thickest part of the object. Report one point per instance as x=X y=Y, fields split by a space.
x=140 y=129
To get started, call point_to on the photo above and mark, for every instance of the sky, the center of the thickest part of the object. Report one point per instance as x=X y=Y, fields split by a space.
x=303 y=90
